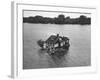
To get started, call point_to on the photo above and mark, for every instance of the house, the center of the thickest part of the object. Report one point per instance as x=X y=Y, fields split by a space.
x=56 y=41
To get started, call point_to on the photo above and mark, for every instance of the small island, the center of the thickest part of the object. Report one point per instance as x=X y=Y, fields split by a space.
x=54 y=44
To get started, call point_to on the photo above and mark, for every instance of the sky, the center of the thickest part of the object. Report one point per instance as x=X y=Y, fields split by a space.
x=28 y=13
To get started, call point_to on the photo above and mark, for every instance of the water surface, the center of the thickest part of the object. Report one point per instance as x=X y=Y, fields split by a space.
x=79 y=53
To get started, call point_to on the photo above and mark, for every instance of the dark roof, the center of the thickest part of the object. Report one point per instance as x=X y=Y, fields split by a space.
x=54 y=38
x=65 y=38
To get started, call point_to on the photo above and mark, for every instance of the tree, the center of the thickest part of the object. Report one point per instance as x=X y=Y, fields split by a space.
x=40 y=43
x=82 y=19
x=60 y=19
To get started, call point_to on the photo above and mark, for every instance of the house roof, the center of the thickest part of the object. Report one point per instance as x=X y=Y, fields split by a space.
x=54 y=39
x=65 y=38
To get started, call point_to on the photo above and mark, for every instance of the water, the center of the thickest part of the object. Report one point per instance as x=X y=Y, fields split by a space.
x=79 y=53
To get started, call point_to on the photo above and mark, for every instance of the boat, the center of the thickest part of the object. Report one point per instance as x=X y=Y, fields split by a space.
x=54 y=43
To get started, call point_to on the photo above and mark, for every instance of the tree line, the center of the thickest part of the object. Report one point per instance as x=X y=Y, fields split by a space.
x=60 y=19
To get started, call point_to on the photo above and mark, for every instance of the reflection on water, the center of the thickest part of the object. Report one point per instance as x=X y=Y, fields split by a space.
x=54 y=59
x=79 y=53
x=59 y=58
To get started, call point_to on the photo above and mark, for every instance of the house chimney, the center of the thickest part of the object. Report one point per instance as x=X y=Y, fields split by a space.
x=57 y=35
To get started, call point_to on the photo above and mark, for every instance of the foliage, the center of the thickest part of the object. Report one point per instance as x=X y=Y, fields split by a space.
x=40 y=43
x=61 y=19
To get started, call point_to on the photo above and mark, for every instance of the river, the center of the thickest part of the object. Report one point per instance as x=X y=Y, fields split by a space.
x=79 y=53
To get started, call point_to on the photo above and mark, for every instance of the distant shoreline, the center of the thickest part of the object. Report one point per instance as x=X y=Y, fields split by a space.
x=61 y=19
